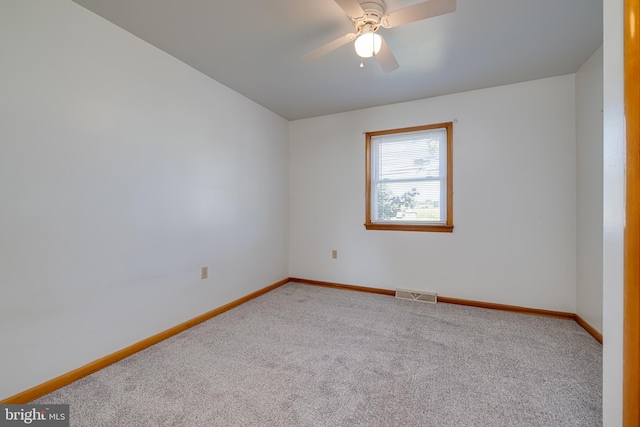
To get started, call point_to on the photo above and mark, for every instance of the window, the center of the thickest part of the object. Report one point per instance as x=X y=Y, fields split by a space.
x=409 y=179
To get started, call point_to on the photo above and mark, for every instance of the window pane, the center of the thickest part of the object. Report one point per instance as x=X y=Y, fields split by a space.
x=412 y=155
x=408 y=201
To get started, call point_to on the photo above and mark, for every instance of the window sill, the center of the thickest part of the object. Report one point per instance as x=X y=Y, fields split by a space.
x=439 y=228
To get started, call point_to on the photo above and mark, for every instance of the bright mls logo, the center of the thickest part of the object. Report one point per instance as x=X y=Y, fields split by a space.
x=35 y=415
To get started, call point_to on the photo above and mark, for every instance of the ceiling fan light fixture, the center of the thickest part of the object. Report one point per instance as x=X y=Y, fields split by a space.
x=368 y=44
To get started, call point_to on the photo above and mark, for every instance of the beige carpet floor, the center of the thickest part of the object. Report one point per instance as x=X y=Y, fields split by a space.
x=311 y=356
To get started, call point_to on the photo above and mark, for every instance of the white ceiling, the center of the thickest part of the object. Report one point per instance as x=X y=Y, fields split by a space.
x=255 y=47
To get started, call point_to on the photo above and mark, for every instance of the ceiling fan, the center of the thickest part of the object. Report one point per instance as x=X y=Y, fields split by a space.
x=368 y=16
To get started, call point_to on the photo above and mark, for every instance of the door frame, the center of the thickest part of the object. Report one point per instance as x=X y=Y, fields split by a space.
x=631 y=357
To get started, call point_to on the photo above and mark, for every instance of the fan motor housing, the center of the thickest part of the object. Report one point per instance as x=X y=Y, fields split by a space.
x=373 y=13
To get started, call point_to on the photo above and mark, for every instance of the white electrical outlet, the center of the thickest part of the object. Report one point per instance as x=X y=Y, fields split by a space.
x=204 y=272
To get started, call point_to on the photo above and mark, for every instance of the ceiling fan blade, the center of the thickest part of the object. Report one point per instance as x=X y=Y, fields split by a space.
x=417 y=12
x=386 y=59
x=323 y=50
x=351 y=8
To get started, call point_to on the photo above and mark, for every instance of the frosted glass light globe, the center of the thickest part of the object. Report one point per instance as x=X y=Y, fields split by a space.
x=368 y=44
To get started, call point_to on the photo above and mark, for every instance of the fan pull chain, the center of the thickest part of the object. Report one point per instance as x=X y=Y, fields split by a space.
x=373 y=45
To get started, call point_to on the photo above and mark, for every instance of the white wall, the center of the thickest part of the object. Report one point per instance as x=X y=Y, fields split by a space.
x=514 y=199
x=122 y=172
x=589 y=190
x=613 y=212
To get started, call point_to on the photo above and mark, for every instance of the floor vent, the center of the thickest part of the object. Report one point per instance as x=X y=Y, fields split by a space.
x=420 y=296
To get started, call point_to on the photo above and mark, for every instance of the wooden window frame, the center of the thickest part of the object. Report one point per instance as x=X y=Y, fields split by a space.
x=447 y=227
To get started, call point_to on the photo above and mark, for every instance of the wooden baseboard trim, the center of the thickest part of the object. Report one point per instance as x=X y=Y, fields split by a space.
x=480 y=304
x=66 y=379
x=512 y=308
x=587 y=327
x=343 y=286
